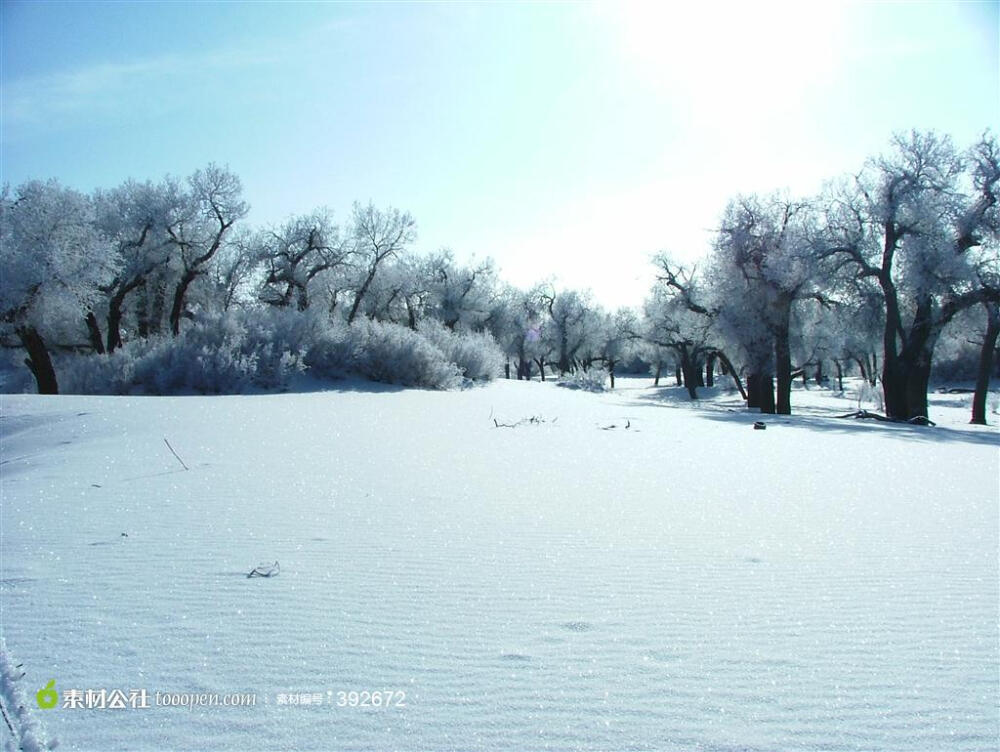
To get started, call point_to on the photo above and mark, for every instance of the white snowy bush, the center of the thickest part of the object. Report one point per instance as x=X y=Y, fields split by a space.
x=334 y=353
x=203 y=360
x=15 y=378
x=217 y=354
x=477 y=355
x=591 y=380
x=279 y=339
x=383 y=352
x=98 y=374
x=225 y=353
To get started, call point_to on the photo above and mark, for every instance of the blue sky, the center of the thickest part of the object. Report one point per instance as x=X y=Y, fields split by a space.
x=569 y=140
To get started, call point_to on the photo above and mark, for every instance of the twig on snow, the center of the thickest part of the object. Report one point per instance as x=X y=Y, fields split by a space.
x=175 y=453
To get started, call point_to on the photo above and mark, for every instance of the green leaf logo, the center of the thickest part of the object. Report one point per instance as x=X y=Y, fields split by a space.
x=47 y=697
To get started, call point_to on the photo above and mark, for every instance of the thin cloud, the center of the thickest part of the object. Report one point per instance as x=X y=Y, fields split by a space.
x=43 y=100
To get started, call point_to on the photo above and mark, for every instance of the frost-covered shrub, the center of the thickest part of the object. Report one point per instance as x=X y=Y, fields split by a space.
x=279 y=339
x=398 y=355
x=224 y=353
x=195 y=363
x=591 y=380
x=477 y=355
x=15 y=378
x=98 y=374
x=383 y=352
x=217 y=354
x=334 y=354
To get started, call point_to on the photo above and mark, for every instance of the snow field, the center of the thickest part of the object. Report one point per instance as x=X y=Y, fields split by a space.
x=686 y=583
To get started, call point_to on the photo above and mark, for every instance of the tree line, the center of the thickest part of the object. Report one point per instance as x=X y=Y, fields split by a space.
x=868 y=275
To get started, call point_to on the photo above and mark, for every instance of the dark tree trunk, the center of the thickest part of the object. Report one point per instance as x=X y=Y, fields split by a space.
x=94 y=333
x=863 y=369
x=115 y=322
x=142 y=311
x=361 y=293
x=819 y=372
x=986 y=356
x=506 y=369
x=753 y=390
x=541 y=367
x=115 y=305
x=760 y=392
x=411 y=319
x=159 y=304
x=906 y=374
x=894 y=388
x=678 y=375
x=564 y=364
x=783 y=364
x=917 y=381
x=38 y=360
x=727 y=367
x=691 y=373
x=656 y=374
x=840 y=375
x=710 y=370
x=179 y=293
x=766 y=387
x=611 y=371
x=893 y=369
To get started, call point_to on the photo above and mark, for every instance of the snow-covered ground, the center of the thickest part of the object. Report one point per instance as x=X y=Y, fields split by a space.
x=685 y=583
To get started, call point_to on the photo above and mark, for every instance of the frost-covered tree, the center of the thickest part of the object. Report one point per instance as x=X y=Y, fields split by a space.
x=232 y=270
x=378 y=235
x=211 y=206
x=571 y=326
x=922 y=222
x=676 y=322
x=399 y=292
x=53 y=259
x=295 y=254
x=685 y=316
x=765 y=260
x=459 y=296
x=515 y=321
x=616 y=338
x=134 y=217
x=860 y=320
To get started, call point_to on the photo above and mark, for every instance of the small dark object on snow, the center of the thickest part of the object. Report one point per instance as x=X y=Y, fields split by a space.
x=264 y=570
x=759 y=425
x=124 y=535
x=534 y=420
x=628 y=424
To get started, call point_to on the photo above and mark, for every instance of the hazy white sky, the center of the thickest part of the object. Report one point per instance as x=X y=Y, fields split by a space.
x=569 y=140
